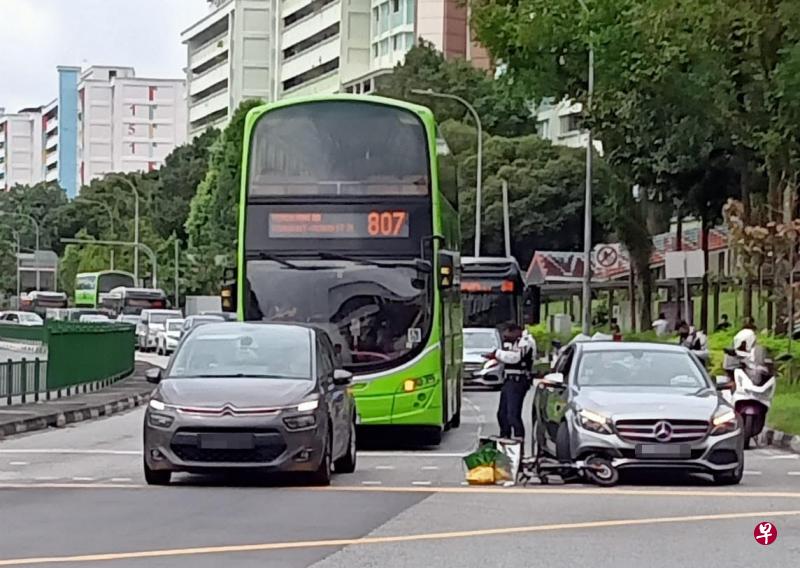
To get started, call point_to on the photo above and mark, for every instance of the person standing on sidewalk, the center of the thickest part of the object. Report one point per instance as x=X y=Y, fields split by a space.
x=517 y=356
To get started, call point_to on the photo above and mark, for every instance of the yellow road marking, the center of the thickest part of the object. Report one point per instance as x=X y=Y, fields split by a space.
x=387 y=539
x=538 y=491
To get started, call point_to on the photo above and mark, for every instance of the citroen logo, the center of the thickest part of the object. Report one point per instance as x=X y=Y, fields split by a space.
x=662 y=431
x=228 y=410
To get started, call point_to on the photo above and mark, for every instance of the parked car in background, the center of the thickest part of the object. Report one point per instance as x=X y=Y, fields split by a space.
x=480 y=341
x=641 y=405
x=96 y=318
x=251 y=396
x=167 y=339
x=21 y=318
x=192 y=322
x=75 y=314
x=150 y=323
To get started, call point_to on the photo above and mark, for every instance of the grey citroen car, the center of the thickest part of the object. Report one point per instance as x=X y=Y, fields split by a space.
x=251 y=396
x=642 y=405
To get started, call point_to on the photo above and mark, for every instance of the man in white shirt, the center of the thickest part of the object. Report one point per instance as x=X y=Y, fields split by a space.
x=517 y=356
x=661 y=325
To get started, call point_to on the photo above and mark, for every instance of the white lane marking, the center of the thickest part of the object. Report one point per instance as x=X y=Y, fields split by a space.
x=17 y=463
x=420 y=483
x=45 y=478
x=418 y=454
x=784 y=457
x=120 y=479
x=371 y=483
x=83 y=479
x=793 y=473
x=429 y=467
x=73 y=451
x=746 y=472
x=384 y=467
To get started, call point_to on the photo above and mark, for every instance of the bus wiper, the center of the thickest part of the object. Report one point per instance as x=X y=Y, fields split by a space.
x=420 y=265
x=282 y=261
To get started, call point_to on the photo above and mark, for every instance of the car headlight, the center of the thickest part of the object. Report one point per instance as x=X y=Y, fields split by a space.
x=724 y=423
x=308 y=405
x=594 y=422
x=157 y=404
x=157 y=416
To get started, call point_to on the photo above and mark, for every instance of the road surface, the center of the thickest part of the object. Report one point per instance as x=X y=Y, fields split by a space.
x=76 y=497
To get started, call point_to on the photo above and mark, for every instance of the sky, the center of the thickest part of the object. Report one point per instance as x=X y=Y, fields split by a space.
x=38 y=35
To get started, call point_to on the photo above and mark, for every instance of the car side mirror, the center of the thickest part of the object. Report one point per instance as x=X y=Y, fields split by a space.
x=342 y=378
x=725 y=383
x=153 y=375
x=554 y=379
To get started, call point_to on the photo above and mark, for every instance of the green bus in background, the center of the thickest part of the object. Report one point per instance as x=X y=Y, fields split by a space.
x=349 y=222
x=89 y=286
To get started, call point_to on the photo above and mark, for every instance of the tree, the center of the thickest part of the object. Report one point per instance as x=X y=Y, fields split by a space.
x=213 y=214
x=504 y=110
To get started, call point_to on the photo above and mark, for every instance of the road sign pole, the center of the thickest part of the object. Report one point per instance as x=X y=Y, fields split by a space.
x=687 y=317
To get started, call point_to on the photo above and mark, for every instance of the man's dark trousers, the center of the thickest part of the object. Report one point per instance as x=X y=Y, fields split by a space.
x=509 y=415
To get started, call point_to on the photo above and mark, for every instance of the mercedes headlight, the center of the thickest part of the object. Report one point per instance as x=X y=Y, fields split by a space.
x=724 y=422
x=594 y=422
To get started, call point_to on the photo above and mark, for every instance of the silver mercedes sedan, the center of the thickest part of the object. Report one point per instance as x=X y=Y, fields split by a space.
x=642 y=405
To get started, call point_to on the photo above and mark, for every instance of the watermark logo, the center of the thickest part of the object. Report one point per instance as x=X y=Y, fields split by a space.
x=765 y=533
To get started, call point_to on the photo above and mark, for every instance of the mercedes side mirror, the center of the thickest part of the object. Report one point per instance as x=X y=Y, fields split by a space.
x=554 y=379
x=342 y=378
x=153 y=375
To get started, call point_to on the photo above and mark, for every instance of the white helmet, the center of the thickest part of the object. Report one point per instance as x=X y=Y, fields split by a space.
x=748 y=338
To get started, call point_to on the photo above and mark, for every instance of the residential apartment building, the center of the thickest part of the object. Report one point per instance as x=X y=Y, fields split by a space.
x=271 y=49
x=105 y=119
x=20 y=162
x=561 y=124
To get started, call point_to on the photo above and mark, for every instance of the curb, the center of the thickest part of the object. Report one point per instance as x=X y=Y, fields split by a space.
x=60 y=419
x=778 y=439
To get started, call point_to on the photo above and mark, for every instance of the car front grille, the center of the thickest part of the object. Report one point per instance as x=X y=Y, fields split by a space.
x=645 y=430
x=268 y=445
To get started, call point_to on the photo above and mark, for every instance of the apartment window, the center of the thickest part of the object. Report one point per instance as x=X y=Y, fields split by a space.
x=395 y=6
x=384 y=20
x=112 y=74
x=410 y=11
x=384 y=47
x=349 y=90
x=367 y=86
x=409 y=40
x=570 y=123
x=396 y=42
x=374 y=50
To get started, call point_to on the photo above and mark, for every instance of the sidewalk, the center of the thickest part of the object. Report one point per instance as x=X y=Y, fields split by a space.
x=122 y=395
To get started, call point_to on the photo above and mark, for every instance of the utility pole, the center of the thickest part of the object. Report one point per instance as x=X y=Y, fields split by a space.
x=506 y=221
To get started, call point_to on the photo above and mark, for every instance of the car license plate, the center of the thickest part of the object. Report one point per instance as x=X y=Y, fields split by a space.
x=227 y=441
x=656 y=451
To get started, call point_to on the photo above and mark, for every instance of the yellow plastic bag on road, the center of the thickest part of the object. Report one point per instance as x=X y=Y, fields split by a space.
x=481 y=475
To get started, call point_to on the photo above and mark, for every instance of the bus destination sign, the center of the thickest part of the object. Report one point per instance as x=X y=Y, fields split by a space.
x=385 y=224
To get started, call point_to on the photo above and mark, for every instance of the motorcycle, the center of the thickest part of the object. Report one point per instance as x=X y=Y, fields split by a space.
x=753 y=375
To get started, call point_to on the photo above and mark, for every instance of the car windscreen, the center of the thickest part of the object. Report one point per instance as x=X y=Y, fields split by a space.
x=174 y=325
x=486 y=340
x=640 y=368
x=256 y=351
x=30 y=318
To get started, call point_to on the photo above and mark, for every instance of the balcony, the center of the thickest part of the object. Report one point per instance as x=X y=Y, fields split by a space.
x=310 y=25
x=208 y=106
x=208 y=79
x=51 y=142
x=51 y=158
x=51 y=125
x=313 y=57
x=210 y=50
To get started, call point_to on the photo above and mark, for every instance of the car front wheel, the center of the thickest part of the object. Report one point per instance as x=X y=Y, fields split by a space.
x=322 y=476
x=347 y=463
x=156 y=477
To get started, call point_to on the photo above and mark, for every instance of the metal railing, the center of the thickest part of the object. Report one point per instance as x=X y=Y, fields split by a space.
x=22 y=379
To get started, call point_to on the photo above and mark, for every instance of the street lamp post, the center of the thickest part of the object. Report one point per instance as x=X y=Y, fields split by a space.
x=479 y=182
x=587 y=214
x=128 y=182
x=37 y=230
x=107 y=208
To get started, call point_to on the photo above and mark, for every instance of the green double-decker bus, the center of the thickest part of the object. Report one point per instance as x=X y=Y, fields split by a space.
x=90 y=285
x=349 y=221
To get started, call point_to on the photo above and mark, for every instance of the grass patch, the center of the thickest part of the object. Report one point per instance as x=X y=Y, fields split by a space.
x=785 y=412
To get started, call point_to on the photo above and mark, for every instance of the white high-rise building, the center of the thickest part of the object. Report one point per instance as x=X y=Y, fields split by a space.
x=103 y=120
x=20 y=148
x=271 y=49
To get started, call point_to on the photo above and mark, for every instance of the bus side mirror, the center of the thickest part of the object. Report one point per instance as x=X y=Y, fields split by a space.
x=447 y=269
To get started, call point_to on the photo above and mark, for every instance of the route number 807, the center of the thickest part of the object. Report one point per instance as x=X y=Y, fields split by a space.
x=386 y=223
